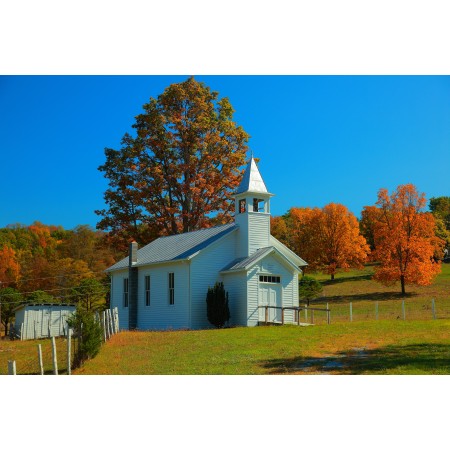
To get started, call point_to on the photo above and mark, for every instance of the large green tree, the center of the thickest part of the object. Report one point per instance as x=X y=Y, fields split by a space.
x=9 y=299
x=180 y=170
x=89 y=294
x=440 y=208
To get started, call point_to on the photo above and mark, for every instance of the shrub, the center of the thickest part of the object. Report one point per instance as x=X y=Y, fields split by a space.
x=89 y=333
x=309 y=288
x=218 y=311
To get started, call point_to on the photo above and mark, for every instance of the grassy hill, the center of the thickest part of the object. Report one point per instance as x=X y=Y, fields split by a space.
x=383 y=347
x=390 y=345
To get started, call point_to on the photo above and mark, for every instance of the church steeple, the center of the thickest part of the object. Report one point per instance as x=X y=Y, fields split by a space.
x=252 y=206
x=252 y=180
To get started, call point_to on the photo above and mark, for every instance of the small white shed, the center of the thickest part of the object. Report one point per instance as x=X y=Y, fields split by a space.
x=36 y=321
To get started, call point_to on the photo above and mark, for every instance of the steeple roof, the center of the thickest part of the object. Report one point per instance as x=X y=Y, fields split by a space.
x=252 y=180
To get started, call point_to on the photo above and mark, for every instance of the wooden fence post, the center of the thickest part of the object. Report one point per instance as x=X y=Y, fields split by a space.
x=111 y=315
x=351 y=312
x=116 y=311
x=312 y=316
x=298 y=316
x=21 y=331
x=110 y=331
x=34 y=325
x=403 y=310
x=69 y=349
x=376 y=310
x=104 y=326
x=433 y=309
x=12 y=368
x=41 y=364
x=55 y=360
x=328 y=317
x=266 y=313
x=306 y=313
x=282 y=316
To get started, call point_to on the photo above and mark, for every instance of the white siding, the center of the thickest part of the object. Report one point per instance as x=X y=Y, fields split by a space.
x=259 y=231
x=253 y=234
x=160 y=315
x=117 y=297
x=236 y=286
x=205 y=268
x=271 y=265
x=242 y=236
x=36 y=320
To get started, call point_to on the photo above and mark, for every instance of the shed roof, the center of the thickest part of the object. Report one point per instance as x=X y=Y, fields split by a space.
x=23 y=305
x=177 y=247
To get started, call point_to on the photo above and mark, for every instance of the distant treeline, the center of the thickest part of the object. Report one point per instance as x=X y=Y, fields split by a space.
x=52 y=260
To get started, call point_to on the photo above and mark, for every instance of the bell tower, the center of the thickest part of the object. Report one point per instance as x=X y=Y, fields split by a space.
x=252 y=212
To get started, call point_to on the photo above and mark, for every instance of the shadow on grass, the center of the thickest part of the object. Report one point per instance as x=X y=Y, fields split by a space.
x=408 y=359
x=344 y=280
x=374 y=296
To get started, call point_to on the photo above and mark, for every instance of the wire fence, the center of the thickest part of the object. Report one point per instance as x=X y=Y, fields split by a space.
x=26 y=356
x=54 y=356
x=368 y=310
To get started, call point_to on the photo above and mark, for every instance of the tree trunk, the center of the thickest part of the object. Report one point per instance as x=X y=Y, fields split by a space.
x=402 y=281
x=332 y=277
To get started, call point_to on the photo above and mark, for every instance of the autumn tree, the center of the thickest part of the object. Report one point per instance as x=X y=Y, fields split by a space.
x=405 y=239
x=328 y=238
x=279 y=229
x=369 y=216
x=179 y=172
x=86 y=244
x=9 y=266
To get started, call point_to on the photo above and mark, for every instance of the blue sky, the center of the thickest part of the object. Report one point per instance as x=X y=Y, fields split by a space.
x=320 y=139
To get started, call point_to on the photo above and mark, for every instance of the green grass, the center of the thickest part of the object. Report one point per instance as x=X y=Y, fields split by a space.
x=357 y=286
x=25 y=353
x=385 y=347
x=390 y=345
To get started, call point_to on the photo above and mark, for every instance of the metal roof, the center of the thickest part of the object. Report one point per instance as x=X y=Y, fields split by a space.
x=176 y=247
x=287 y=252
x=23 y=305
x=242 y=263
x=247 y=263
x=252 y=180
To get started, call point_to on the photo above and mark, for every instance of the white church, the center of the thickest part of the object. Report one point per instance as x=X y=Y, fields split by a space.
x=164 y=284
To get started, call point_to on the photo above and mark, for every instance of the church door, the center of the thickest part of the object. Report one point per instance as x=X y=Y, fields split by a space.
x=270 y=295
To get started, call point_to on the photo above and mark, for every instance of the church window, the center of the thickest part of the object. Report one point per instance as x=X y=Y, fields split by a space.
x=242 y=206
x=269 y=279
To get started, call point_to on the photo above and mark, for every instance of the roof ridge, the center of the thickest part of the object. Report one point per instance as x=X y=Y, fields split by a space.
x=193 y=231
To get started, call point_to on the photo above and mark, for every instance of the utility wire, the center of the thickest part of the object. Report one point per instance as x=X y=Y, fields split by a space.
x=48 y=278
x=50 y=290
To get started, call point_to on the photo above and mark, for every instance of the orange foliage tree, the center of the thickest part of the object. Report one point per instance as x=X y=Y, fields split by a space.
x=179 y=173
x=328 y=238
x=405 y=238
x=9 y=266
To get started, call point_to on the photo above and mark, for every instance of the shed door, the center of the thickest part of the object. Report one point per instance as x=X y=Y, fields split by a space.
x=270 y=295
x=45 y=322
